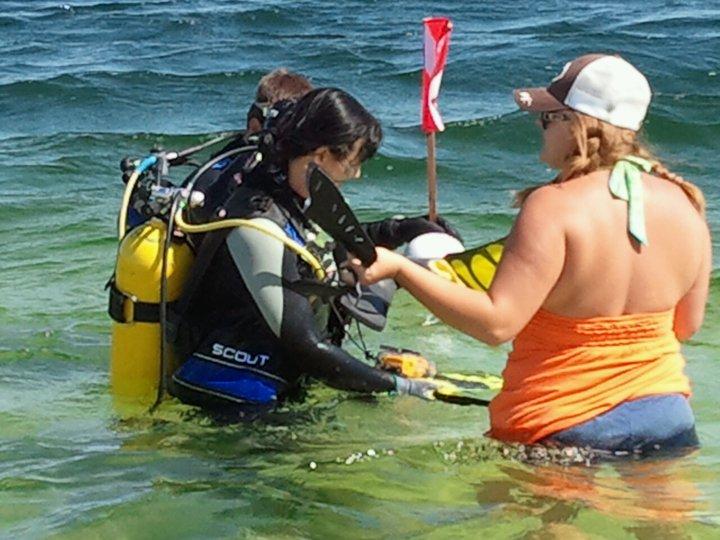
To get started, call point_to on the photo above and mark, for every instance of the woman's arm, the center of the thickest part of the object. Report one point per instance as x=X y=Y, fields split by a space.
x=690 y=310
x=531 y=264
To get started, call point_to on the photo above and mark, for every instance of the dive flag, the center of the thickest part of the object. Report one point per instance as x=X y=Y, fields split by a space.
x=437 y=43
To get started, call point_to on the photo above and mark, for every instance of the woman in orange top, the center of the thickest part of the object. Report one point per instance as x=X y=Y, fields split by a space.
x=605 y=270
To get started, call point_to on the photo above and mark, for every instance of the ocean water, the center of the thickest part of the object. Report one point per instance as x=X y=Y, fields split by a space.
x=83 y=83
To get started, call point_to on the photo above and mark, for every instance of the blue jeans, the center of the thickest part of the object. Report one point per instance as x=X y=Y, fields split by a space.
x=661 y=422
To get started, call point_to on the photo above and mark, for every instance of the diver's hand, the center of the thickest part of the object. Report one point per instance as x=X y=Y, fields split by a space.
x=394 y=232
x=421 y=388
x=446 y=226
x=387 y=265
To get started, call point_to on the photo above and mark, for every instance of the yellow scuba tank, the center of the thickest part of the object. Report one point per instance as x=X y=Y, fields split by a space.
x=135 y=359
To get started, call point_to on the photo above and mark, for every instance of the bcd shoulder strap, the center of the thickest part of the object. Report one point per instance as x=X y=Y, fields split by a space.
x=211 y=242
x=244 y=203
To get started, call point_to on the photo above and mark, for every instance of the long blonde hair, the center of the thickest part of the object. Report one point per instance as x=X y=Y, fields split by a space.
x=599 y=145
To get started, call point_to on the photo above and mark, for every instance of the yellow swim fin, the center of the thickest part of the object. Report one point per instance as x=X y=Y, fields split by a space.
x=463 y=389
x=459 y=388
x=474 y=268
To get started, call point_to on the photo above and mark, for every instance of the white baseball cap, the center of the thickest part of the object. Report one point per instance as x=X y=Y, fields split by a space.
x=603 y=86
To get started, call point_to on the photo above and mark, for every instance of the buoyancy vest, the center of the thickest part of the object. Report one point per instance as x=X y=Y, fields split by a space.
x=230 y=352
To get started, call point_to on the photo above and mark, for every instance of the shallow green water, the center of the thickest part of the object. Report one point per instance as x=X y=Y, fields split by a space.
x=84 y=83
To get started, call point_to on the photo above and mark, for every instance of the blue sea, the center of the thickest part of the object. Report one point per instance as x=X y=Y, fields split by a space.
x=84 y=83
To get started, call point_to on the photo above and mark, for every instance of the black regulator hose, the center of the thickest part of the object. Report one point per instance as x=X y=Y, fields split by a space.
x=162 y=386
x=182 y=155
x=177 y=201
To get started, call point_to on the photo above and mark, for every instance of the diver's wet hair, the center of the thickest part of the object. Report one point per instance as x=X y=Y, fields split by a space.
x=327 y=117
x=281 y=84
x=276 y=86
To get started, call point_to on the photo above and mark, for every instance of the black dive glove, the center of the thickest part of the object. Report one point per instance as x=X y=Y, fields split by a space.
x=391 y=233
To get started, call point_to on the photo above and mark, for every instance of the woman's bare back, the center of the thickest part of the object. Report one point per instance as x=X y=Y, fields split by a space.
x=606 y=272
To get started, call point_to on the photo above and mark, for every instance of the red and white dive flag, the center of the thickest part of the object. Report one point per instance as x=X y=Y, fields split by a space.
x=437 y=43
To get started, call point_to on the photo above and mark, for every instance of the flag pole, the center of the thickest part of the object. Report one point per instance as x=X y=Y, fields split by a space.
x=436 y=42
x=431 y=177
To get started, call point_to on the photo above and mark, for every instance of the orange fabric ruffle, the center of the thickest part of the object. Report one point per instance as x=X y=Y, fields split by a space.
x=564 y=371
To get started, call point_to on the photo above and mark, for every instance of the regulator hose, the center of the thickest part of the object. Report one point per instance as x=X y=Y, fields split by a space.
x=296 y=248
x=144 y=165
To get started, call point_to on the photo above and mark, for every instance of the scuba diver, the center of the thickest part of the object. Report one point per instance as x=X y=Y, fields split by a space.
x=276 y=93
x=276 y=86
x=141 y=324
x=253 y=318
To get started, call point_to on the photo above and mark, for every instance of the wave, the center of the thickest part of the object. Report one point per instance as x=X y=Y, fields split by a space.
x=697 y=19
x=510 y=132
x=63 y=144
x=133 y=8
x=90 y=81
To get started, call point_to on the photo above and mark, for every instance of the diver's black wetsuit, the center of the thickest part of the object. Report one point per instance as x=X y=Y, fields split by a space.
x=259 y=335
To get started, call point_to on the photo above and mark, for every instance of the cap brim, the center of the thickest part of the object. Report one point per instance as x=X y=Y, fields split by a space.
x=537 y=100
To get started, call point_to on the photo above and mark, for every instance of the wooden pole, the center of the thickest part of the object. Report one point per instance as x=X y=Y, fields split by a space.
x=432 y=177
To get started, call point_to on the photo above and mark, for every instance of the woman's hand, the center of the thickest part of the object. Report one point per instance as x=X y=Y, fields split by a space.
x=387 y=265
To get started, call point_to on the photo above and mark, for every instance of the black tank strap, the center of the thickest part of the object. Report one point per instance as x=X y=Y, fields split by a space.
x=147 y=312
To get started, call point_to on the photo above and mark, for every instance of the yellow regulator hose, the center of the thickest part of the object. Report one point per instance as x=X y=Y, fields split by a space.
x=122 y=218
x=301 y=252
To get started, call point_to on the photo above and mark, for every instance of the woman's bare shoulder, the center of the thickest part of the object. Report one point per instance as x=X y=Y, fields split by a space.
x=673 y=198
x=552 y=196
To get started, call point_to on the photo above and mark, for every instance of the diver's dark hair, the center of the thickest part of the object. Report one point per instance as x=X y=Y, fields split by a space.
x=326 y=117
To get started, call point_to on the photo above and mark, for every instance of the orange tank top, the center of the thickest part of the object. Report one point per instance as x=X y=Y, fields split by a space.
x=563 y=371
